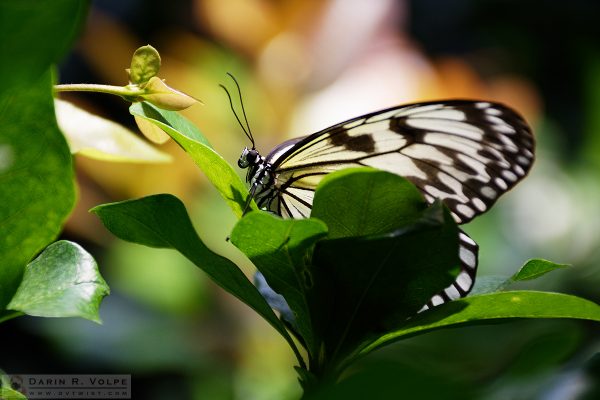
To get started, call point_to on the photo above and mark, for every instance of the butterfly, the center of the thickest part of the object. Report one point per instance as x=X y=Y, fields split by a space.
x=464 y=152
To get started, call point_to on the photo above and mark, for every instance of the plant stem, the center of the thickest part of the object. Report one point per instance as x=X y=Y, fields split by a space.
x=123 y=91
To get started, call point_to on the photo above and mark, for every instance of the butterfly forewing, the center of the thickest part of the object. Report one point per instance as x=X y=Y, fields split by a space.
x=466 y=153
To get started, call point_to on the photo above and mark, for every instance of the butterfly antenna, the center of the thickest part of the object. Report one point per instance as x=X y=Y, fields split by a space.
x=243 y=108
x=236 y=116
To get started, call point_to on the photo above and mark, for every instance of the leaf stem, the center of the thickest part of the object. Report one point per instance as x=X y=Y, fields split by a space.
x=123 y=91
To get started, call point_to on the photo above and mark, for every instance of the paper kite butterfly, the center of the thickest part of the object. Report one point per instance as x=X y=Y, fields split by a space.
x=464 y=152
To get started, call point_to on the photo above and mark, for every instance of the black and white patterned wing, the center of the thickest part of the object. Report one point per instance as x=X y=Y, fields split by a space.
x=468 y=253
x=466 y=153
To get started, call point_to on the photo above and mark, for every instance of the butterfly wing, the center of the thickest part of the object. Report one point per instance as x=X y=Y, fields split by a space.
x=466 y=153
x=468 y=253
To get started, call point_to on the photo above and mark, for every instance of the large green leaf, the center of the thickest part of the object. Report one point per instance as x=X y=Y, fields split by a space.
x=386 y=254
x=218 y=171
x=37 y=182
x=33 y=35
x=365 y=201
x=162 y=221
x=376 y=281
x=281 y=250
x=479 y=309
x=63 y=281
x=387 y=378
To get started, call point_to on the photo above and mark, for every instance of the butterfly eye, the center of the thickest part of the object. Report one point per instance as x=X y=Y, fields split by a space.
x=243 y=161
x=248 y=157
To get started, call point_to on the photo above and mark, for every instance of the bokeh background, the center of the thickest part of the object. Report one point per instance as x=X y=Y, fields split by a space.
x=304 y=65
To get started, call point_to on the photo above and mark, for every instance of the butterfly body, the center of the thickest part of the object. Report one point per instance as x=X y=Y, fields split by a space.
x=465 y=152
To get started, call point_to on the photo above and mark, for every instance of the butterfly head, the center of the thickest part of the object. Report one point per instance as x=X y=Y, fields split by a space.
x=249 y=158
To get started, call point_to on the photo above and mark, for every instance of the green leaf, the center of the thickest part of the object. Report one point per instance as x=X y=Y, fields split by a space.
x=162 y=221
x=387 y=378
x=35 y=34
x=489 y=308
x=535 y=268
x=37 y=191
x=281 y=250
x=158 y=93
x=365 y=201
x=145 y=64
x=375 y=282
x=10 y=394
x=217 y=170
x=102 y=139
x=532 y=269
x=63 y=281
